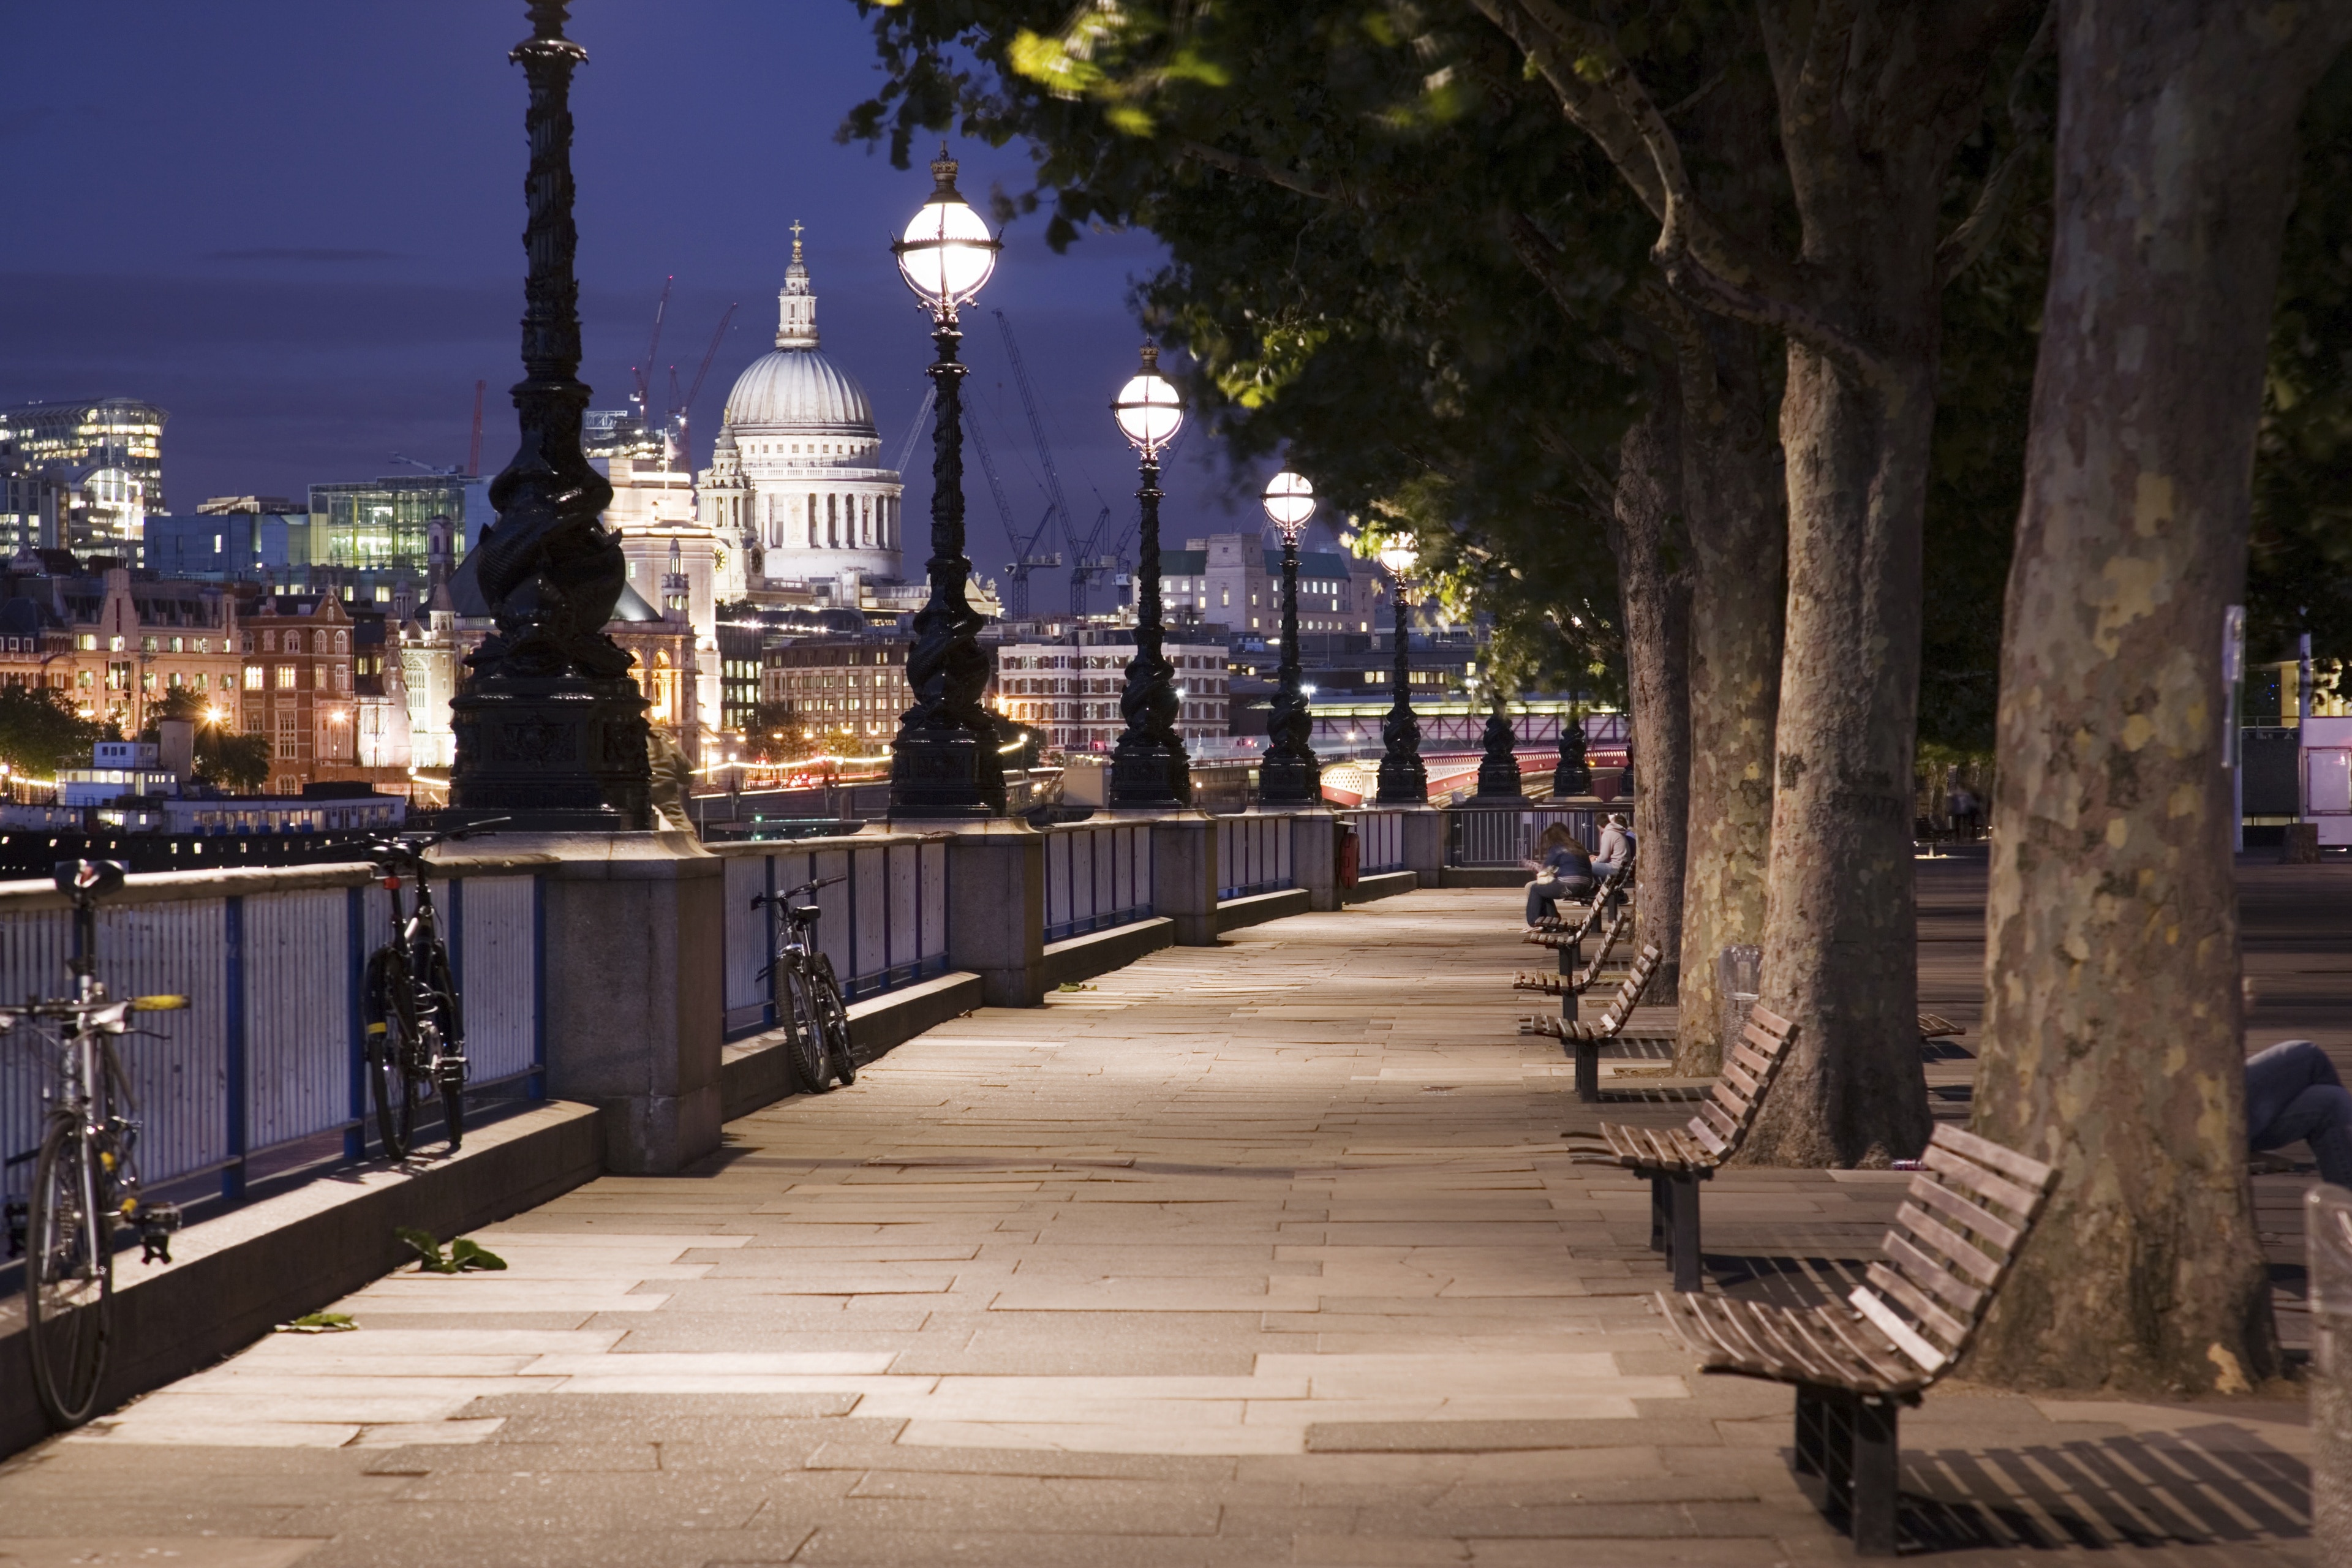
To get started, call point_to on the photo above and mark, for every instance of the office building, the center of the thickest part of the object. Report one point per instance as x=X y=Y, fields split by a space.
x=1069 y=689
x=386 y=524
x=1234 y=581
x=106 y=458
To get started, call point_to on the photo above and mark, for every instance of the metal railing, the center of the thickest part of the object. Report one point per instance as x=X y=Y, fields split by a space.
x=1379 y=840
x=1097 y=876
x=1489 y=835
x=1252 y=855
x=264 y=1069
x=886 y=927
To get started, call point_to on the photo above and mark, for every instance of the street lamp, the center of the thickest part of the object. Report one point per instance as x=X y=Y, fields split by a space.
x=1404 y=781
x=1290 y=775
x=1148 y=770
x=944 y=761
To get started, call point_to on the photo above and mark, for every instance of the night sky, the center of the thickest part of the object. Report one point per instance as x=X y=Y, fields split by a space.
x=297 y=227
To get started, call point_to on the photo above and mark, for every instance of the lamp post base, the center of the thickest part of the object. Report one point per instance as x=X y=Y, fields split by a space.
x=1289 y=782
x=1404 y=781
x=936 y=774
x=551 y=754
x=1150 y=775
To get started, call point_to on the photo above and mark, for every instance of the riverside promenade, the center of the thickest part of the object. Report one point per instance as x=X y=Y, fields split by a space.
x=1265 y=1253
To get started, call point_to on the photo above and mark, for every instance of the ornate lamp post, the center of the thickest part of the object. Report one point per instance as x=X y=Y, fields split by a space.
x=551 y=731
x=944 y=762
x=1148 y=770
x=1290 y=775
x=1404 y=781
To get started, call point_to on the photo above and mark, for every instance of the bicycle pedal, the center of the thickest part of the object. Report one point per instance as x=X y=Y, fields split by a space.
x=156 y=1224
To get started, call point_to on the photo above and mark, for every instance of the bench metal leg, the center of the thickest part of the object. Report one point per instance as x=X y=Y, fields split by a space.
x=1588 y=1070
x=1571 y=959
x=1660 y=1206
x=1812 y=1433
x=1682 y=1229
x=1876 y=1473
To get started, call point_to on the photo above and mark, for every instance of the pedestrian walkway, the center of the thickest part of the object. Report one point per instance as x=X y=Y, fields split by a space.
x=1261 y=1255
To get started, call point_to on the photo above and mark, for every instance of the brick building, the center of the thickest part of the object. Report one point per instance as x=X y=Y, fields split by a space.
x=297 y=687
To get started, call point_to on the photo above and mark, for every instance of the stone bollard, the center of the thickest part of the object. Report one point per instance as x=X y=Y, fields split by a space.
x=2300 y=845
x=2327 y=1243
x=1739 y=980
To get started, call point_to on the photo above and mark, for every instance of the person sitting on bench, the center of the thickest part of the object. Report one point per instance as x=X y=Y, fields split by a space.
x=1563 y=870
x=2294 y=1094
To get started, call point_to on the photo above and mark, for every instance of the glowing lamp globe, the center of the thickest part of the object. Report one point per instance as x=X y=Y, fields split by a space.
x=947 y=253
x=1147 y=408
x=1399 y=557
x=1289 y=501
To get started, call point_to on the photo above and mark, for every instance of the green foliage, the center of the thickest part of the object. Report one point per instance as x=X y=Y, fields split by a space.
x=2299 y=576
x=40 y=731
x=1348 y=205
x=463 y=1255
x=224 y=760
x=320 y=1323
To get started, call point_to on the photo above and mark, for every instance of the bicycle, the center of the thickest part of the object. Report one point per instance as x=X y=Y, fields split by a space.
x=415 y=1034
x=807 y=997
x=85 y=1175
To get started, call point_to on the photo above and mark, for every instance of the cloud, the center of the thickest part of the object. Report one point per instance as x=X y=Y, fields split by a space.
x=300 y=253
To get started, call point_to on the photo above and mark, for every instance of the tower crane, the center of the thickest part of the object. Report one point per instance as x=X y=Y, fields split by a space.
x=915 y=433
x=1053 y=474
x=683 y=414
x=1026 y=559
x=643 y=395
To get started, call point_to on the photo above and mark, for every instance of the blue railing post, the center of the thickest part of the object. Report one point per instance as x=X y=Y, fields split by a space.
x=356 y=926
x=535 y=1087
x=233 y=1007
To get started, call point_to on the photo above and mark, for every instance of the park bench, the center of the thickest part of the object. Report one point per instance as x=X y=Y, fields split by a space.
x=1583 y=1041
x=1576 y=983
x=1855 y=1364
x=1677 y=1159
x=1555 y=932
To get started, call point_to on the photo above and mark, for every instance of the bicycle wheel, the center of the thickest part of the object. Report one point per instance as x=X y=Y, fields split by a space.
x=836 y=1019
x=392 y=1046
x=796 y=996
x=69 y=1275
x=450 y=1064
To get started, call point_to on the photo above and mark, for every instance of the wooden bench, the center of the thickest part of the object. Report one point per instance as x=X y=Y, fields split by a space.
x=1936 y=1026
x=1583 y=1041
x=1677 y=1159
x=1576 y=983
x=1855 y=1365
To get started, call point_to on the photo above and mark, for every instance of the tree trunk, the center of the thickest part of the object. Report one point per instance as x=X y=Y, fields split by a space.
x=1653 y=550
x=2113 y=1041
x=1738 y=533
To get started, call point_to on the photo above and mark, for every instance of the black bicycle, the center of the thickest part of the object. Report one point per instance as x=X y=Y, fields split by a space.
x=415 y=1032
x=807 y=997
x=85 y=1175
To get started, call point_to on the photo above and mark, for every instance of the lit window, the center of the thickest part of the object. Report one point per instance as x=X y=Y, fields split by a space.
x=253 y=678
x=285 y=677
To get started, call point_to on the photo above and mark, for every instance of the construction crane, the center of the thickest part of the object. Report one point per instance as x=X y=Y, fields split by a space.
x=1026 y=559
x=915 y=434
x=474 y=451
x=449 y=472
x=1053 y=474
x=643 y=395
x=682 y=413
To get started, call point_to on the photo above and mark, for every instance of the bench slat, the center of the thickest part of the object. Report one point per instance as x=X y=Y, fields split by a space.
x=1942 y=1240
x=1906 y=1339
x=1889 y=1368
x=1753 y=1063
x=2032 y=1172
x=1928 y=1190
x=1739 y=1079
x=1740 y=1108
x=1932 y=1318
x=1725 y=1122
x=1978 y=1182
x=1928 y=1274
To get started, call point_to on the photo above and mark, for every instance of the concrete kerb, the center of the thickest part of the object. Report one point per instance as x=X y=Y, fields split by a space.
x=1381 y=885
x=233 y=1278
x=756 y=1072
x=1259 y=907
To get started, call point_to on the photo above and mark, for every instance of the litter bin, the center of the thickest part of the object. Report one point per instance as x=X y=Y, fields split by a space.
x=1347 y=854
x=2327 y=1254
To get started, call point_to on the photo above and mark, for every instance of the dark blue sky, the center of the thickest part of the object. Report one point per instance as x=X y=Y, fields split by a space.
x=297 y=227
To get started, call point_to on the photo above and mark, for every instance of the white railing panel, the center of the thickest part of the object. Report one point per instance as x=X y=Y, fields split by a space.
x=869 y=909
x=748 y=941
x=297 y=989
x=934 y=898
x=497 y=975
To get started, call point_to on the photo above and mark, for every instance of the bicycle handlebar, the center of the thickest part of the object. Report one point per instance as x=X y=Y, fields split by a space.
x=411 y=846
x=801 y=891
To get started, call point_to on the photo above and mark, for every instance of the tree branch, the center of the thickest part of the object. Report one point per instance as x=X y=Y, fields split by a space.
x=1962 y=248
x=1251 y=168
x=1696 y=258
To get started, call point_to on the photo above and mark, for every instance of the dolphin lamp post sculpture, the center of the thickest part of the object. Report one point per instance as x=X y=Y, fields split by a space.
x=1403 y=779
x=944 y=761
x=1149 y=769
x=1290 y=776
x=551 y=730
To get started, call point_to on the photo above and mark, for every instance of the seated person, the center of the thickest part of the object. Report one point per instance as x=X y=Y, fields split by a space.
x=1563 y=870
x=2294 y=1095
x=1617 y=848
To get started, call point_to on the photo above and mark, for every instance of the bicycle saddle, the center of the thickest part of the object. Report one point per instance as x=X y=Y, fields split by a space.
x=90 y=878
x=806 y=915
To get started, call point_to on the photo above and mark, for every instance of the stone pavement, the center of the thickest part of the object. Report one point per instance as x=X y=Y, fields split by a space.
x=1264 y=1254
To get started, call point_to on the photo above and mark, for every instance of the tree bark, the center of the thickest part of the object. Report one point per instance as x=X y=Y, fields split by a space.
x=1738 y=533
x=2113 y=1041
x=1653 y=573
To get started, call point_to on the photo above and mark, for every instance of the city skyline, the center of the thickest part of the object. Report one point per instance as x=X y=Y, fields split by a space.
x=274 y=277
